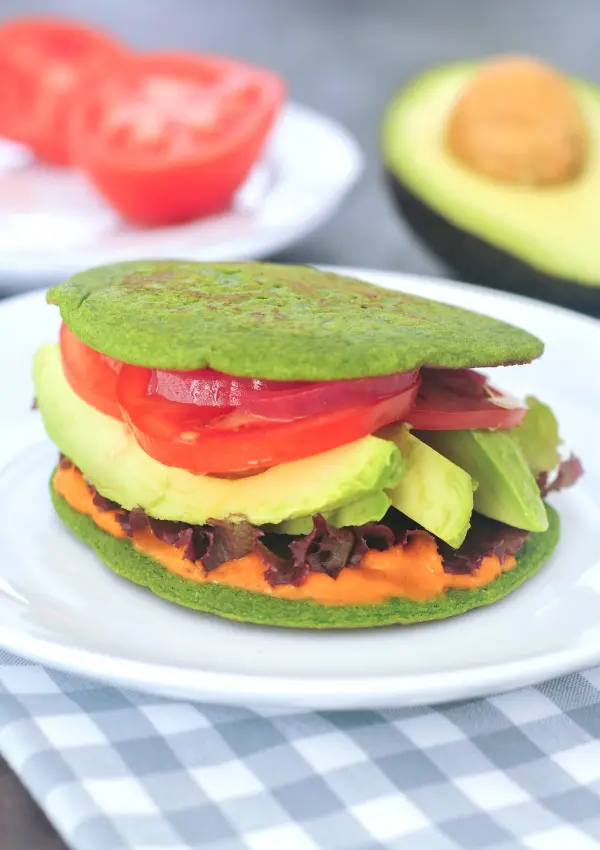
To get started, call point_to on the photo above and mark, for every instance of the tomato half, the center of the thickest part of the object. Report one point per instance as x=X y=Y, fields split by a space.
x=91 y=375
x=170 y=137
x=209 y=440
x=457 y=399
x=42 y=62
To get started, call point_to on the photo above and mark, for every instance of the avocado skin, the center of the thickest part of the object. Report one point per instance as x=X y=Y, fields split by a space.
x=477 y=261
x=246 y=606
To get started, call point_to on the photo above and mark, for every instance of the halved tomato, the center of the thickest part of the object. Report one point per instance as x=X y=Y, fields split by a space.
x=171 y=136
x=42 y=62
x=93 y=376
x=212 y=440
x=457 y=399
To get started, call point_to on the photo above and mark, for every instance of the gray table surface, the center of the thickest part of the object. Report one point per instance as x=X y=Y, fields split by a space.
x=344 y=57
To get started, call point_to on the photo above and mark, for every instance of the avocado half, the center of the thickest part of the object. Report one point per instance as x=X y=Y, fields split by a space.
x=536 y=241
x=251 y=607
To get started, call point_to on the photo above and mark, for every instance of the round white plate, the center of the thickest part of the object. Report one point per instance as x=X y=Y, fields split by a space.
x=62 y=607
x=52 y=223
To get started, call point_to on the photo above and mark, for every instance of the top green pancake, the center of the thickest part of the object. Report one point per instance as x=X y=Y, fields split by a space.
x=275 y=321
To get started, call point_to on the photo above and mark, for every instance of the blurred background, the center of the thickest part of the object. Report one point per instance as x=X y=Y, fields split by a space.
x=345 y=58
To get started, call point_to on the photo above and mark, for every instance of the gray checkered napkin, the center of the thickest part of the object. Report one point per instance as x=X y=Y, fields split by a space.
x=116 y=769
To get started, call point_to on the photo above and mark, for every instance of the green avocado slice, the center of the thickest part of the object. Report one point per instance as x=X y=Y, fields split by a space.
x=247 y=606
x=275 y=321
x=506 y=489
x=537 y=241
x=370 y=508
x=433 y=491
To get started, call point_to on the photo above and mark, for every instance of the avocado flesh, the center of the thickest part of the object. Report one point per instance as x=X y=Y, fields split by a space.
x=433 y=491
x=108 y=455
x=370 y=508
x=538 y=241
x=507 y=490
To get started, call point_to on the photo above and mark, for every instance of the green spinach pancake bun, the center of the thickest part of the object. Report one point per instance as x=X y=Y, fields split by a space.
x=286 y=446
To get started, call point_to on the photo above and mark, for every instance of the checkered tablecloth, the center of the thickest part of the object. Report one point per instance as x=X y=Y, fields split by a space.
x=116 y=769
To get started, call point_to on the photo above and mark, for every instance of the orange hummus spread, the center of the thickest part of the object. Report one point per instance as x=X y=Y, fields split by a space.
x=414 y=570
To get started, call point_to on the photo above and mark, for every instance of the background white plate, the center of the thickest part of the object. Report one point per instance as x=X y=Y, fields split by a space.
x=52 y=223
x=60 y=606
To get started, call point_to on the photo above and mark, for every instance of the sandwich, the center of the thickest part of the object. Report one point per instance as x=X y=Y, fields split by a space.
x=287 y=446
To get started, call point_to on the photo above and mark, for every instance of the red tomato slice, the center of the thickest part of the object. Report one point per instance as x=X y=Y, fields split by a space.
x=283 y=400
x=171 y=137
x=93 y=376
x=42 y=63
x=209 y=388
x=457 y=399
x=204 y=441
x=313 y=399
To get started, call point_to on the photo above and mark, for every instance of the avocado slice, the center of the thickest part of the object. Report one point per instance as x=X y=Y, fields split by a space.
x=507 y=490
x=433 y=491
x=538 y=437
x=535 y=241
x=370 y=508
x=106 y=452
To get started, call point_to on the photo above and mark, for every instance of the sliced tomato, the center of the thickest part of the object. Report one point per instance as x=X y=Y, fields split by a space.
x=209 y=388
x=93 y=376
x=42 y=63
x=171 y=137
x=313 y=399
x=209 y=440
x=283 y=400
x=457 y=399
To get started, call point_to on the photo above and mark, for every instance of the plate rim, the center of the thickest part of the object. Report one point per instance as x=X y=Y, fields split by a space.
x=314 y=692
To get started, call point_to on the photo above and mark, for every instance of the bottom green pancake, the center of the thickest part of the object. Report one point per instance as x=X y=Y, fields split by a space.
x=248 y=606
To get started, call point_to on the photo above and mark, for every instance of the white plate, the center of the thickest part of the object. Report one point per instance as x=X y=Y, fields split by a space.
x=62 y=607
x=52 y=223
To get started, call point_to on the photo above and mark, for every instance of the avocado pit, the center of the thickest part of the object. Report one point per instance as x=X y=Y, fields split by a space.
x=518 y=121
